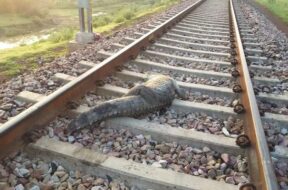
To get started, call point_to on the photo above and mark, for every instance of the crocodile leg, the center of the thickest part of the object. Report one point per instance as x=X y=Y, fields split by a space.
x=180 y=92
x=145 y=92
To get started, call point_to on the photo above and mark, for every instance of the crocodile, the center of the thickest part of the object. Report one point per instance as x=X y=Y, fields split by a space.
x=154 y=94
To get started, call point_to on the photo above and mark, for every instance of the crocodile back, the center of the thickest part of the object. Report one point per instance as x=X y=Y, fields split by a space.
x=163 y=88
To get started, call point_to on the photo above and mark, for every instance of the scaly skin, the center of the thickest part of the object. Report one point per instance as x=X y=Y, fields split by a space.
x=153 y=95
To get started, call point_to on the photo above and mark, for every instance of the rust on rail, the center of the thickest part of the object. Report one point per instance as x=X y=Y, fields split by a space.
x=44 y=111
x=260 y=165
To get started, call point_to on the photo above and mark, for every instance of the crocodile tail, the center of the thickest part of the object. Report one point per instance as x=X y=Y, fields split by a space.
x=125 y=106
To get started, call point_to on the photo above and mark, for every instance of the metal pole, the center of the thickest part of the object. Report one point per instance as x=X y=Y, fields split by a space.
x=89 y=17
x=82 y=20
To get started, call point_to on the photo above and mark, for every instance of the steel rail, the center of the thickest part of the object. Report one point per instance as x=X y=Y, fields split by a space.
x=44 y=111
x=261 y=169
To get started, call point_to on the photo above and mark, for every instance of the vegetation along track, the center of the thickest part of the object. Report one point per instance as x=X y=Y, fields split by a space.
x=214 y=136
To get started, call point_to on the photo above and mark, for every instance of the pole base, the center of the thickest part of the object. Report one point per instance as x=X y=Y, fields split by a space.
x=85 y=37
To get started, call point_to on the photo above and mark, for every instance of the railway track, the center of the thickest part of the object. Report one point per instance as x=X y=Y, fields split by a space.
x=213 y=140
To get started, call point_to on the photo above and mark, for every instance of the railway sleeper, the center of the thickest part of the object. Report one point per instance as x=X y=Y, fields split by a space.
x=221 y=64
x=180 y=31
x=184 y=26
x=260 y=80
x=215 y=28
x=71 y=156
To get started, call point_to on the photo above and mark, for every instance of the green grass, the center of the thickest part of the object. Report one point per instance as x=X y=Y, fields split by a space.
x=63 y=35
x=25 y=58
x=131 y=12
x=278 y=7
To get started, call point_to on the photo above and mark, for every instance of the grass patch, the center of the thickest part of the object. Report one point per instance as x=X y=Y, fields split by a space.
x=129 y=14
x=27 y=57
x=278 y=7
x=64 y=35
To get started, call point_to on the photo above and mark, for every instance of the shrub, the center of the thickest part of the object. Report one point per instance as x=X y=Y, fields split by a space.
x=101 y=21
x=62 y=35
x=119 y=19
x=128 y=15
x=152 y=2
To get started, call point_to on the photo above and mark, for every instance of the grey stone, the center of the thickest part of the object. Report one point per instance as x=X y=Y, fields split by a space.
x=2 y=113
x=3 y=173
x=241 y=166
x=46 y=178
x=60 y=173
x=206 y=149
x=145 y=147
x=230 y=180
x=19 y=187
x=225 y=132
x=22 y=172
x=240 y=179
x=97 y=188
x=212 y=173
x=163 y=163
x=203 y=160
x=98 y=182
x=50 y=83
x=106 y=150
x=197 y=151
x=6 y=107
x=223 y=166
x=156 y=165
x=225 y=157
x=71 y=139
x=284 y=131
x=140 y=137
x=163 y=148
x=12 y=179
x=55 y=179
x=50 y=132
x=60 y=168
x=195 y=173
x=81 y=187
x=35 y=187
x=281 y=150
x=200 y=171
x=64 y=178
